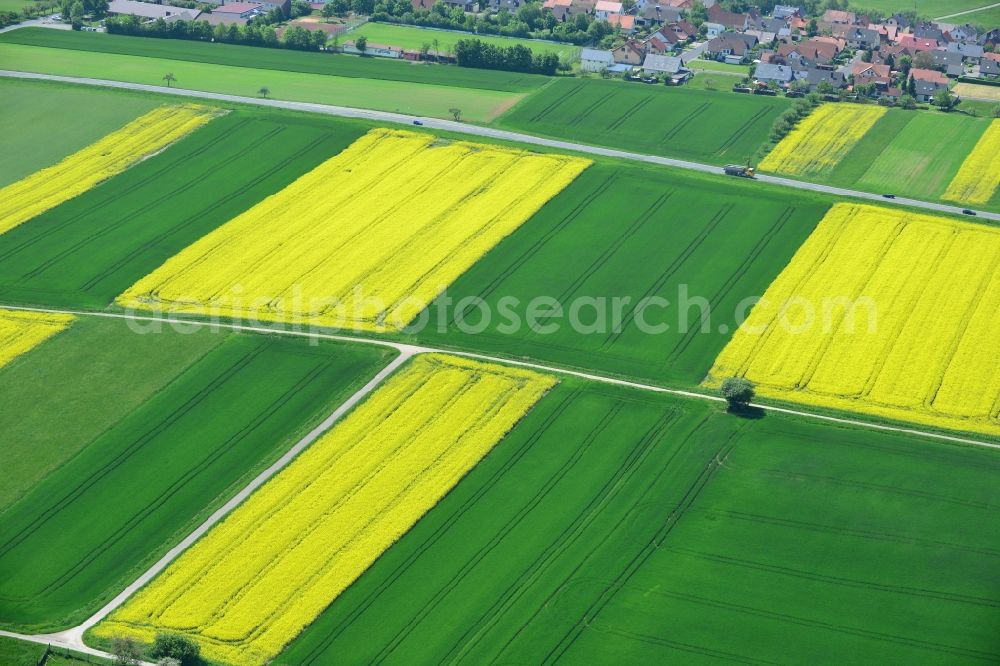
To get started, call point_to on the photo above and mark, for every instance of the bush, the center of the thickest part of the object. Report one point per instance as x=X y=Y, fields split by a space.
x=177 y=647
x=738 y=392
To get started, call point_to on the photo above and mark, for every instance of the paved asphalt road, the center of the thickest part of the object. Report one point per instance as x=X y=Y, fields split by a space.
x=449 y=125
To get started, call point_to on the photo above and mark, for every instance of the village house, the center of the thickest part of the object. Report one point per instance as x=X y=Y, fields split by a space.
x=605 y=8
x=988 y=68
x=860 y=38
x=670 y=65
x=965 y=50
x=629 y=53
x=867 y=72
x=657 y=14
x=780 y=75
x=728 y=20
x=730 y=46
x=951 y=63
x=624 y=22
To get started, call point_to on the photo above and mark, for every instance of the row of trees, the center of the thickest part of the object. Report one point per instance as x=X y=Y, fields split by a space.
x=253 y=34
x=517 y=58
x=528 y=21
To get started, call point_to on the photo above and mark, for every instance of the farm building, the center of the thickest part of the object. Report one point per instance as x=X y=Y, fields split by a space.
x=595 y=60
x=239 y=10
x=149 y=12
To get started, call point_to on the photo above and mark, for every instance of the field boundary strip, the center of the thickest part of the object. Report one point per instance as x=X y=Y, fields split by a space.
x=493 y=133
x=412 y=349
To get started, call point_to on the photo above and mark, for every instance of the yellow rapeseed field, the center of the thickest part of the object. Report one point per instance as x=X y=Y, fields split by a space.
x=147 y=134
x=919 y=342
x=366 y=240
x=267 y=571
x=978 y=178
x=822 y=139
x=21 y=331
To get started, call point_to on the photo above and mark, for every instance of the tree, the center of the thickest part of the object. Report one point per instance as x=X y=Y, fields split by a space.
x=126 y=651
x=361 y=43
x=437 y=44
x=911 y=87
x=738 y=392
x=944 y=100
x=328 y=10
x=996 y=111
x=425 y=48
x=813 y=28
x=76 y=12
x=698 y=13
x=906 y=101
x=169 y=78
x=456 y=114
x=178 y=647
x=924 y=60
x=264 y=91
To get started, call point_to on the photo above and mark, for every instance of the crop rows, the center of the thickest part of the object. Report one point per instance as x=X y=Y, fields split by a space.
x=822 y=139
x=979 y=176
x=103 y=159
x=882 y=312
x=321 y=251
x=265 y=573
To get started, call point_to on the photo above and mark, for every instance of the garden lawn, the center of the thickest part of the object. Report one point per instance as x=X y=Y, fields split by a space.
x=414 y=37
x=91 y=248
x=639 y=233
x=221 y=408
x=381 y=94
x=286 y=60
x=977 y=91
x=614 y=526
x=54 y=121
x=676 y=122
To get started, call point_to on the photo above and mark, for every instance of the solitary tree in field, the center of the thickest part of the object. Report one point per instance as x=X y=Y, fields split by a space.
x=175 y=646
x=437 y=46
x=456 y=114
x=944 y=100
x=738 y=392
x=126 y=651
x=361 y=43
x=264 y=92
x=169 y=78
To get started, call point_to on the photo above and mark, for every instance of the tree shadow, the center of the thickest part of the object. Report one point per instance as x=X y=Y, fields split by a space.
x=746 y=412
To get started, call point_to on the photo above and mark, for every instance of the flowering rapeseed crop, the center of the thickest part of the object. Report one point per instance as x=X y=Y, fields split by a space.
x=21 y=331
x=366 y=240
x=265 y=573
x=931 y=356
x=822 y=139
x=979 y=176
x=99 y=161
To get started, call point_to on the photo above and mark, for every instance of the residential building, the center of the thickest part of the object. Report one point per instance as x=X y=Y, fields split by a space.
x=671 y=65
x=729 y=20
x=605 y=8
x=861 y=38
x=928 y=76
x=629 y=53
x=989 y=68
x=951 y=62
x=781 y=75
x=730 y=44
x=867 y=72
x=624 y=22
x=968 y=51
x=926 y=89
